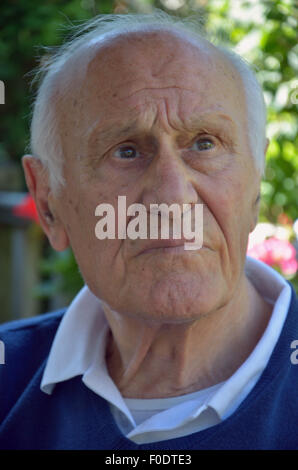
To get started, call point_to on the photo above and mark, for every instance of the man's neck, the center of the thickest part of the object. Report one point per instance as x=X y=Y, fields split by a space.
x=163 y=360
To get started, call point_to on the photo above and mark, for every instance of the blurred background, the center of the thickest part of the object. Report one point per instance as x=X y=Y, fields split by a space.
x=34 y=278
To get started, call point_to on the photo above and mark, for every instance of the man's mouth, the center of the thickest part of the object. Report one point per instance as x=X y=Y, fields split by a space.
x=165 y=246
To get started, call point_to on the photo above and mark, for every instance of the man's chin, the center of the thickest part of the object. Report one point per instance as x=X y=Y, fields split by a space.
x=172 y=300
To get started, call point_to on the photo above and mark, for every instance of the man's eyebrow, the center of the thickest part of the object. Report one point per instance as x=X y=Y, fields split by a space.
x=217 y=119
x=111 y=132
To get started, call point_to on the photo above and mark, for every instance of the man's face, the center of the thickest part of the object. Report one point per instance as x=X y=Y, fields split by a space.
x=159 y=120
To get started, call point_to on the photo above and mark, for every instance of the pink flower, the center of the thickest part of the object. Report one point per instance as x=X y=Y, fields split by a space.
x=276 y=253
x=289 y=267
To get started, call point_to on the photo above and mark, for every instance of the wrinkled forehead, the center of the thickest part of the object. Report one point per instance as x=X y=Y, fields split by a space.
x=106 y=72
x=149 y=55
x=147 y=46
x=113 y=62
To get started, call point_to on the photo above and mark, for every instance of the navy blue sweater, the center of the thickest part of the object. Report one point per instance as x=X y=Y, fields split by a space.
x=74 y=417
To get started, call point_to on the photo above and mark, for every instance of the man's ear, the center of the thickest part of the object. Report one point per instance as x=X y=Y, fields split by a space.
x=38 y=184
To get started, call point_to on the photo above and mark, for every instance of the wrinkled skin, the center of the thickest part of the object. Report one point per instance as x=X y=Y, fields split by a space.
x=180 y=320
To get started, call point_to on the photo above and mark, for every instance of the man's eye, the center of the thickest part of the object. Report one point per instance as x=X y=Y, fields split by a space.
x=203 y=144
x=126 y=153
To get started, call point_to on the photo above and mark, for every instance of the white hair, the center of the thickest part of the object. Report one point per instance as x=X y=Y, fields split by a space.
x=45 y=138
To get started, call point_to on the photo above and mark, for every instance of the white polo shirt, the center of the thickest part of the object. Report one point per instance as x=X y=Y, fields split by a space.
x=79 y=349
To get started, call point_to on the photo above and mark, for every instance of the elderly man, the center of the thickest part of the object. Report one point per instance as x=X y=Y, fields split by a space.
x=164 y=348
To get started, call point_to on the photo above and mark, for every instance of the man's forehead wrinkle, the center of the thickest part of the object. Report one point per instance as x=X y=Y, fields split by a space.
x=160 y=71
x=196 y=118
x=139 y=45
x=156 y=67
x=117 y=130
x=106 y=85
x=153 y=89
x=163 y=65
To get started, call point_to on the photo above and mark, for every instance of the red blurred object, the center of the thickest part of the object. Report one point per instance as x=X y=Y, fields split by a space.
x=284 y=219
x=26 y=209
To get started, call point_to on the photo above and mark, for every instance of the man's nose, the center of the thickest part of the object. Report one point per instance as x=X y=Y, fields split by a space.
x=169 y=180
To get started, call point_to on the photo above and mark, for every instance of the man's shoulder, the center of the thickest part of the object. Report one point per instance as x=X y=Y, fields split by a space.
x=47 y=320
x=29 y=339
x=26 y=344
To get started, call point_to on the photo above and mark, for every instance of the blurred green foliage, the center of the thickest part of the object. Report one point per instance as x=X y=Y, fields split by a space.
x=262 y=31
x=265 y=33
x=25 y=27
